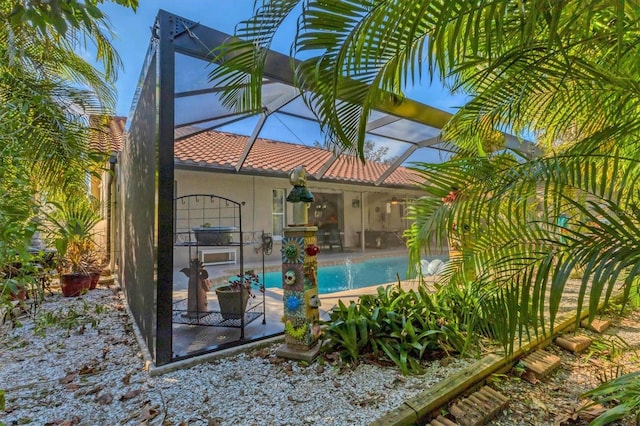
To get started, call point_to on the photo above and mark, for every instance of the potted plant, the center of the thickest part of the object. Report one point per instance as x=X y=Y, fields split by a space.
x=72 y=228
x=234 y=296
x=16 y=280
x=18 y=207
x=95 y=265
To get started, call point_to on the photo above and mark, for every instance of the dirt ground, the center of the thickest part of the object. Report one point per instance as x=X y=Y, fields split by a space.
x=556 y=399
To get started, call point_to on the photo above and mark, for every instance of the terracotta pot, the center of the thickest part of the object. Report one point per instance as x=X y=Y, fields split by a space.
x=74 y=285
x=231 y=307
x=95 y=277
x=21 y=294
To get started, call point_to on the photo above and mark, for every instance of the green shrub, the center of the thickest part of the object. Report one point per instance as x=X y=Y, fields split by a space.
x=404 y=325
x=624 y=393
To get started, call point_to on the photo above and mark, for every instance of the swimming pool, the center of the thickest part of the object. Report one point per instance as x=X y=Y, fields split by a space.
x=351 y=274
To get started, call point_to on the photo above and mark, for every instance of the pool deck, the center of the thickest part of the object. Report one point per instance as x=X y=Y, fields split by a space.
x=330 y=300
x=195 y=338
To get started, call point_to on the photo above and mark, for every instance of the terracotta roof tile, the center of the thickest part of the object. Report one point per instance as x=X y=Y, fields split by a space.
x=223 y=150
x=106 y=134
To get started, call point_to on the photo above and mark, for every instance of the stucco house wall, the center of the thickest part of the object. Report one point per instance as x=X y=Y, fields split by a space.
x=358 y=202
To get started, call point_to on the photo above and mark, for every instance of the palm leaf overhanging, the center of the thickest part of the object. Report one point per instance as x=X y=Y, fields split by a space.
x=47 y=88
x=566 y=72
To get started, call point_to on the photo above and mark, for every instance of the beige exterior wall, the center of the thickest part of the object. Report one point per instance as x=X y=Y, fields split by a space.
x=358 y=203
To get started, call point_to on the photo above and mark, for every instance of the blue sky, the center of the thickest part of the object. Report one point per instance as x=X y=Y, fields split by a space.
x=133 y=34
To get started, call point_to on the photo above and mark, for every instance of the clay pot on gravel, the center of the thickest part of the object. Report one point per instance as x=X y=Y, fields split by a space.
x=73 y=285
x=20 y=294
x=95 y=277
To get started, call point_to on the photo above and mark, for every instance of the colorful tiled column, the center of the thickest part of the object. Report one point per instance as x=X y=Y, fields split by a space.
x=300 y=278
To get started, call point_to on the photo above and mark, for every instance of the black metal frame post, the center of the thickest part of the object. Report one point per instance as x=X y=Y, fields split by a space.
x=164 y=213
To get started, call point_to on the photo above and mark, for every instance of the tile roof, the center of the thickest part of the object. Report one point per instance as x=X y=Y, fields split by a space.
x=221 y=150
x=106 y=133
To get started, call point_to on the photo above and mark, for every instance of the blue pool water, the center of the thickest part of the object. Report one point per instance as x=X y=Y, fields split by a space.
x=351 y=274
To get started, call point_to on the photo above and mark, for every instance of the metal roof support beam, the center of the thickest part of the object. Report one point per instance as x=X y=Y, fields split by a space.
x=208 y=119
x=232 y=119
x=280 y=102
x=325 y=167
x=429 y=142
x=396 y=163
x=200 y=40
x=252 y=140
x=382 y=121
x=393 y=138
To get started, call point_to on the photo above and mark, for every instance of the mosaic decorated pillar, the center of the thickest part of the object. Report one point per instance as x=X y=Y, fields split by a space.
x=300 y=277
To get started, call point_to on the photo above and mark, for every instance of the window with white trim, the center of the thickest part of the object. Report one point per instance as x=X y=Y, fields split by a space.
x=277 y=213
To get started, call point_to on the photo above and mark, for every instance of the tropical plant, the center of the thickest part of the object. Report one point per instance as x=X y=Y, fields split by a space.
x=17 y=208
x=624 y=393
x=72 y=230
x=47 y=89
x=406 y=326
x=566 y=72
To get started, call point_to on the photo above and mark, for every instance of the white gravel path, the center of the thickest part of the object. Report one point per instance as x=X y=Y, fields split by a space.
x=57 y=370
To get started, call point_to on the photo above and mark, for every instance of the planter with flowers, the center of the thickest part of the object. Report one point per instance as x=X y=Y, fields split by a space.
x=233 y=297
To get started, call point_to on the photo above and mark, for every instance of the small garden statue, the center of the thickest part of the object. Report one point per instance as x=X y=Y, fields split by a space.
x=199 y=284
x=299 y=195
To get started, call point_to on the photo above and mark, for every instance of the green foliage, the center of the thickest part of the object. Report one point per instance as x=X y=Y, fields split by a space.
x=68 y=319
x=565 y=71
x=516 y=246
x=47 y=88
x=404 y=325
x=16 y=229
x=72 y=228
x=624 y=392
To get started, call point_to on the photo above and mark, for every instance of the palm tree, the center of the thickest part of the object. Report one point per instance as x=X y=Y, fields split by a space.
x=47 y=88
x=46 y=91
x=567 y=72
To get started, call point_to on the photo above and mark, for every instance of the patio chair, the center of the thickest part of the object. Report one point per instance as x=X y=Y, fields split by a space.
x=329 y=235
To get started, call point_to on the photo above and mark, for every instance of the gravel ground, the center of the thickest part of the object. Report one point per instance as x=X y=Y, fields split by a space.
x=77 y=362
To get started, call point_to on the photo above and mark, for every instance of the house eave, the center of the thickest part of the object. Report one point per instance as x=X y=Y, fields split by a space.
x=245 y=171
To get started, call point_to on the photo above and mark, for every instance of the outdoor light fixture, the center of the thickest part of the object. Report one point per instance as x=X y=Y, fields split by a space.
x=394 y=200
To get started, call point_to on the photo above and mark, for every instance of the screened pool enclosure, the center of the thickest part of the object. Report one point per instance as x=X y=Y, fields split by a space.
x=175 y=100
